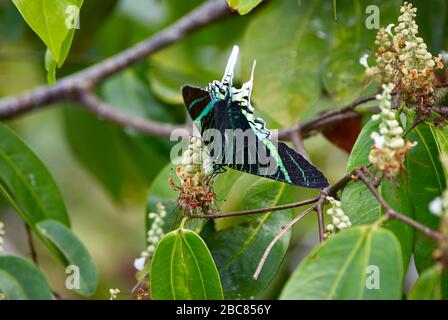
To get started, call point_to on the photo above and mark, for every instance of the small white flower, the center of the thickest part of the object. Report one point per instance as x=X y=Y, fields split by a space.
x=139 y=263
x=436 y=206
x=389 y=29
x=363 y=60
x=378 y=139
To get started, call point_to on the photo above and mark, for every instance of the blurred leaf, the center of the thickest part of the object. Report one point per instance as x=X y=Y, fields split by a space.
x=286 y=40
x=237 y=250
x=426 y=181
x=198 y=59
x=344 y=134
x=27 y=183
x=350 y=39
x=441 y=137
x=432 y=21
x=243 y=6
x=123 y=160
x=54 y=21
x=363 y=208
x=339 y=268
x=182 y=268
x=20 y=279
x=74 y=252
x=428 y=285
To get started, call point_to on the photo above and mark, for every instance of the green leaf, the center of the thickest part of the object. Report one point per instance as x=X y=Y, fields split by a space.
x=345 y=267
x=50 y=66
x=52 y=20
x=285 y=39
x=183 y=268
x=428 y=285
x=243 y=6
x=440 y=135
x=426 y=181
x=238 y=249
x=20 y=279
x=74 y=252
x=342 y=74
x=363 y=208
x=26 y=182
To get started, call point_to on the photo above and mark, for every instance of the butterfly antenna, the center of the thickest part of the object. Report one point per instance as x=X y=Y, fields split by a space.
x=251 y=81
x=228 y=74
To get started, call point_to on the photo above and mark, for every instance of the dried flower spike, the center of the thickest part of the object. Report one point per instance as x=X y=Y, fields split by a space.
x=195 y=173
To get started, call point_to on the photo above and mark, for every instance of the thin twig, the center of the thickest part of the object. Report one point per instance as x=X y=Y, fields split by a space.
x=391 y=213
x=255 y=211
x=320 y=216
x=327 y=118
x=274 y=241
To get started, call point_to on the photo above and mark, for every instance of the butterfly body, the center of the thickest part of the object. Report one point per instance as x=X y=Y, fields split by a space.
x=237 y=139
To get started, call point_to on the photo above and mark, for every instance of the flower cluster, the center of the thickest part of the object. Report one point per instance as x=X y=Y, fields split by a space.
x=155 y=233
x=402 y=58
x=114 y=293
x=389 y=150
x=340 y=220
x=383 y=71
x=195 y=173
x=2 y=233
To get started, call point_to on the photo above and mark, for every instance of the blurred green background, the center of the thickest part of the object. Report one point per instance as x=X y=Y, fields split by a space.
x=306 y=62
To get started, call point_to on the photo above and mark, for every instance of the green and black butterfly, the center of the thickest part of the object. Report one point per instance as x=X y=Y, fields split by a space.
x=238 y=140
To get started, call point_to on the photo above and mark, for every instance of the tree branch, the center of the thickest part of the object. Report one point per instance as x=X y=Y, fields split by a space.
x=390 y=212
x=107 y=112
x=64 y=88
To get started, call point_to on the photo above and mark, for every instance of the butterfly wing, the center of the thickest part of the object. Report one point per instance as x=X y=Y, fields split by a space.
x=264 y=157
x=199 y=106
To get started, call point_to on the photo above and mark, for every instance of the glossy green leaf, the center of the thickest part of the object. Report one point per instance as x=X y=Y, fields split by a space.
x=360 y=263
x=440 y=135
x=20 y=279
x=243 y=6
x=74 y=252
x=183 y=268
x=426 y=181
x=54 y=21
x=363 y=208
x=286 y=40
x=27 y=183
x=238 y=249
x=428 y=285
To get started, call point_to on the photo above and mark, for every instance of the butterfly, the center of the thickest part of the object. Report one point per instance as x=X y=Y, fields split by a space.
x=238 y=140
